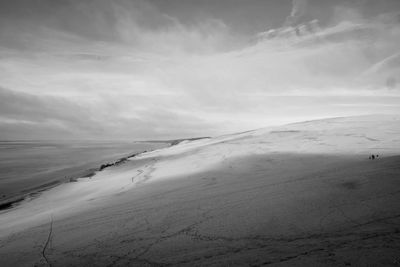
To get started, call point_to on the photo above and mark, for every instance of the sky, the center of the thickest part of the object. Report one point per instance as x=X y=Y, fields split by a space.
x=165 y=69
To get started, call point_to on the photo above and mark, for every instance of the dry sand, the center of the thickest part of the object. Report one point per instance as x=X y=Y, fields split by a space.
x=299 y=195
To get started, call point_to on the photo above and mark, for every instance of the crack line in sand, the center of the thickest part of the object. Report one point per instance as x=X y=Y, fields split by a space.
x=47 y=242
x=147 y=170
x=140 y=171
x=147 y=176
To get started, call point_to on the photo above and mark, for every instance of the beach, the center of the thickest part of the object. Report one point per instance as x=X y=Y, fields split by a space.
x=303 y=194
x=30 y=167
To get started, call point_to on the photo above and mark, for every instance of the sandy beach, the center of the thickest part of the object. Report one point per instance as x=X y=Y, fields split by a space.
x=28 y=168
x=303 y=194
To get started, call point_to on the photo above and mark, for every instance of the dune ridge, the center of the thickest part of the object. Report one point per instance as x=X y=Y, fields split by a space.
x=300 y=194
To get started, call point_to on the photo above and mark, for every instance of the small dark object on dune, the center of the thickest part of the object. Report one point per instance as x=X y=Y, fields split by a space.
x=103 y=166
x=121 y=160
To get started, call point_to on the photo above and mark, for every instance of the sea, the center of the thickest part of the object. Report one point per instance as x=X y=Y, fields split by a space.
x=28 y=166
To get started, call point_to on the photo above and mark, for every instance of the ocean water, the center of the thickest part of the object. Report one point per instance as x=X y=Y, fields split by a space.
x=29 y=165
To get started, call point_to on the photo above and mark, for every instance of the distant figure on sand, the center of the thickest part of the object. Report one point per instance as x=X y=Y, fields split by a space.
x=373 y=156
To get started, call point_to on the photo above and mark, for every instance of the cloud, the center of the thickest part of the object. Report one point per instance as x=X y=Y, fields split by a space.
x=75 y=26
x=299 y=8
x=41 y=114
x=126 y=69
x=27 y=116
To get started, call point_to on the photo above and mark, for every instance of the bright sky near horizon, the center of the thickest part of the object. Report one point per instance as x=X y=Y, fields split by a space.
x=161 y=69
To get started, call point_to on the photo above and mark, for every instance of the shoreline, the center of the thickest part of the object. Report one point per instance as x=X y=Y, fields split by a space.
x=14 y=201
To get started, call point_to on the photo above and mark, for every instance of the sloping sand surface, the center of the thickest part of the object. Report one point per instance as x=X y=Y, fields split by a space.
x=299 y=195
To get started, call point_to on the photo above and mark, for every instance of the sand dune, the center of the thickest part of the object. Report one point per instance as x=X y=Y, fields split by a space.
x=302 y=194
